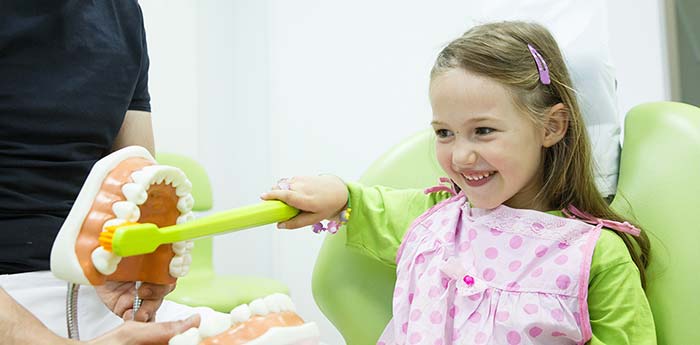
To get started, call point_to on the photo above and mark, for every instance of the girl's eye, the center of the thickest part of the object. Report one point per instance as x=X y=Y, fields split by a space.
x=443 y=133
x=484 y=130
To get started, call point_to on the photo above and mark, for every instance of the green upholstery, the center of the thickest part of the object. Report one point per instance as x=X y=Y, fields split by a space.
x=658 y=186
x=202 y=286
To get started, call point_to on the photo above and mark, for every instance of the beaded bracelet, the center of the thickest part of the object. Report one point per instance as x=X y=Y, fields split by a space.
x=332 y=225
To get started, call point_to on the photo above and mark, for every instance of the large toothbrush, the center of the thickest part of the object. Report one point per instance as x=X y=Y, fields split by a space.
x=136 y=239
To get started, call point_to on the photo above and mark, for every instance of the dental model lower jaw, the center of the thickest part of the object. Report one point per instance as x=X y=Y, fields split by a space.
x=267 y=321
x=127 y=186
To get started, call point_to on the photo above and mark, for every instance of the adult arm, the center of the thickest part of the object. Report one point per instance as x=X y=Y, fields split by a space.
x=137 y=129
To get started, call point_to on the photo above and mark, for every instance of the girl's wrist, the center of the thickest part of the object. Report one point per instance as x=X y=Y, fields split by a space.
x=339 y=219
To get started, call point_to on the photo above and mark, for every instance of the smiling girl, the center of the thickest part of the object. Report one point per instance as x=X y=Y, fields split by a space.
x=521 y=248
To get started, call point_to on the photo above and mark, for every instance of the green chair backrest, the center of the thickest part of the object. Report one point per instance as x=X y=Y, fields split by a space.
x=659 y=186
x=202 y=194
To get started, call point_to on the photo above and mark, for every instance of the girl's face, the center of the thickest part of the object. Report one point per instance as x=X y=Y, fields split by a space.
x=489 y=148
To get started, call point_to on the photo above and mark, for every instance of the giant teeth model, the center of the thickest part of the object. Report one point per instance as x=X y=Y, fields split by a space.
x=125 y=186
x=267 y=321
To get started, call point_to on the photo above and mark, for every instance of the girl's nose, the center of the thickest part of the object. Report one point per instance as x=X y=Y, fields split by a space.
x=464 y=157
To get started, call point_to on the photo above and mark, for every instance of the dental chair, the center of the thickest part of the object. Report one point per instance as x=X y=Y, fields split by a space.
x=658 y=187
x=203 y=286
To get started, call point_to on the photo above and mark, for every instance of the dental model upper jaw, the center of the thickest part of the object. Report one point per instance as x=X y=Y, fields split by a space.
x=136 y=194
x=265 y=321
x=125 y=186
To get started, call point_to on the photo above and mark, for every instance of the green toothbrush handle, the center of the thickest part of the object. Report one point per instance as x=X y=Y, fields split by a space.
x=145 y=238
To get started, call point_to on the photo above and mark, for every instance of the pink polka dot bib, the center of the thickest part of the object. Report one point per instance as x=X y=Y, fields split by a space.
x=498 y=276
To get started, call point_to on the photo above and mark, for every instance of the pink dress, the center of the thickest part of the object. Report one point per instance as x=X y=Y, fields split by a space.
x=499 y=276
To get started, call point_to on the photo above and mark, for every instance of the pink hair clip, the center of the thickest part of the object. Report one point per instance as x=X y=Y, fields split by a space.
x=573 y=212
x=541 y=65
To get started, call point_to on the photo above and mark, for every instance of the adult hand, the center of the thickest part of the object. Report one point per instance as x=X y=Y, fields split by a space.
x=317 y=197
x=139 y=333
x=119 y=298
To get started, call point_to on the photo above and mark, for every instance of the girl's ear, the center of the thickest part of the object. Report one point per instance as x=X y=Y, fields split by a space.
x=556 y=124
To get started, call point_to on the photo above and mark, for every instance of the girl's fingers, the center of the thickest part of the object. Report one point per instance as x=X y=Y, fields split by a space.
x=301 y=220
x=289 y=197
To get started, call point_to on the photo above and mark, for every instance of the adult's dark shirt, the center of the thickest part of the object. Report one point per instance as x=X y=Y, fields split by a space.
x=69 y=70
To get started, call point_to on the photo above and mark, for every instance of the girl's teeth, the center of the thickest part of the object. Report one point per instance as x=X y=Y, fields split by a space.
x=476 y=177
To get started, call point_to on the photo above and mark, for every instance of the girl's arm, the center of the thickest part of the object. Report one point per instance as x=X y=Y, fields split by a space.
x=379 y=218
x=618 y=308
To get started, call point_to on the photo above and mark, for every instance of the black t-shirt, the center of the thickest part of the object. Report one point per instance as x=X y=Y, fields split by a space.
x=69 y=70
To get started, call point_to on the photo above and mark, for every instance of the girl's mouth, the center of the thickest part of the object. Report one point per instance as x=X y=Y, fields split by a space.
x=476 y=180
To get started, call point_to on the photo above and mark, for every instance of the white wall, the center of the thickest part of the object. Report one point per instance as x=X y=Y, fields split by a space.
x=638 y=45
x=258 y=90
x=172 y=46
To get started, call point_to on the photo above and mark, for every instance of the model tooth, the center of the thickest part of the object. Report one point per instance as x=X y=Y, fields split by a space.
x=259 y=307
x=272 y=304
x=281 y=302
x=105 y=262
x=176 y=264
x=169 y=179
x=159 y=178
x=180 y=265
x=185 y=203
x=176 y=272
x=189 y=337
x=177 y=268
x=189 y=216
x=285 y=302
x=126 y=210
x=215 y=324
x=179 y=247
x=184 y=188
x=142 y=177
x=178 y=177
x=186 y=259
x=152 y=169
x=184 y=271
x=135 y=193
x=291 y=307
x=113 y=222
x=240 y=314
x=183 y=247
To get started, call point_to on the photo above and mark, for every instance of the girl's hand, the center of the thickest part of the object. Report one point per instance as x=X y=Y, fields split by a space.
x=317 y=197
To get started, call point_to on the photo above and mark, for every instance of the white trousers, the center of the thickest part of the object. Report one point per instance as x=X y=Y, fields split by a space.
x=45 y=297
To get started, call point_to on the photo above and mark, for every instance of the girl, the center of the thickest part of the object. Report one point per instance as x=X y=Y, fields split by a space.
x=515 y=251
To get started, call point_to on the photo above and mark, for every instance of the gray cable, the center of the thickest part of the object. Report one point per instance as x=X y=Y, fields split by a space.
x=72 y=311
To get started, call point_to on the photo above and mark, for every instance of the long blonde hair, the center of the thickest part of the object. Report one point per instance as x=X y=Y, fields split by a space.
x=499 y=51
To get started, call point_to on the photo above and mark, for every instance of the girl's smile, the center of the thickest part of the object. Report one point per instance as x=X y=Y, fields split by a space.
x=476 y=179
